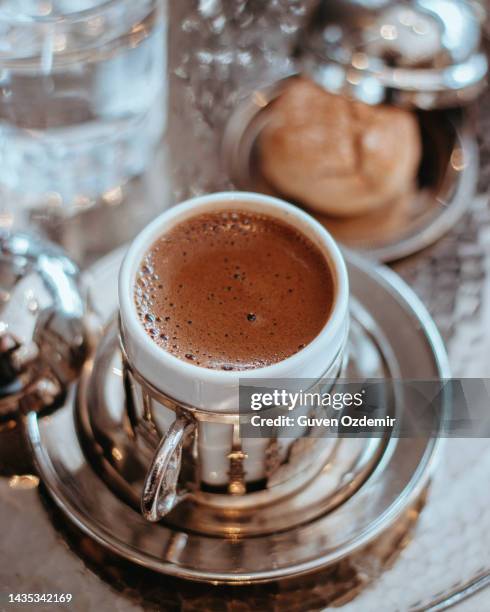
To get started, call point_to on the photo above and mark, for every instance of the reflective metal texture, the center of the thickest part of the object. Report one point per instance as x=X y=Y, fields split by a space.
x=425 y=54
x=122 y=441
x=445 y=186
x=312 y=537
x=44 y=337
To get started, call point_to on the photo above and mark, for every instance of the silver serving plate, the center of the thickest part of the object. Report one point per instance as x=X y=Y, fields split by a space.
x=445 y=186
x=392 y=331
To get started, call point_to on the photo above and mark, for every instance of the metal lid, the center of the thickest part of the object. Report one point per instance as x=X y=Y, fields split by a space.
x=44 y=337
x=424 y=53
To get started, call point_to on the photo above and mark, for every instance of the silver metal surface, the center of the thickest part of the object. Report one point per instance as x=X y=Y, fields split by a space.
x=445 y=187
x=424 y=54
x=459 y=595
x=122 y=449
x=160 y=490
x=128 y=417
x=44 y=334
x=385 y=307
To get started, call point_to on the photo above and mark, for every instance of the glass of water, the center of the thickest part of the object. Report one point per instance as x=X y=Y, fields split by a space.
x=82 y=101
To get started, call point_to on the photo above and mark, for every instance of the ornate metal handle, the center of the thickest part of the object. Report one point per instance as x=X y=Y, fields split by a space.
x=161 y=492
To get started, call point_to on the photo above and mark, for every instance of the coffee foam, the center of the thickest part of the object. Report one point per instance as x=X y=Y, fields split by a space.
x=233 y=290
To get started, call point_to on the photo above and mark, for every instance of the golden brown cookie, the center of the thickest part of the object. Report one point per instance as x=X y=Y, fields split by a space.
x=337 y=156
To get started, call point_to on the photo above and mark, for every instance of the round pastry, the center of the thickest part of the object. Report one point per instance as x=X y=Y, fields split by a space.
x=338 y=156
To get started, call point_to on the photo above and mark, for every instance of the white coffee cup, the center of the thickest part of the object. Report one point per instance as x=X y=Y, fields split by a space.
x=212 y=395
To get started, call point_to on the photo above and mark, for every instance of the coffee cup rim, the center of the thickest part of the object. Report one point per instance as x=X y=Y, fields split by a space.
x=200 y=204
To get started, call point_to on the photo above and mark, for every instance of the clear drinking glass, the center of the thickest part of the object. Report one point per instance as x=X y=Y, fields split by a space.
x=82 y=100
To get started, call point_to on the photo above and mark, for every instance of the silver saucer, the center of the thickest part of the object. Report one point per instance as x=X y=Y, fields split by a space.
x=121 y=457
x=446 y=183
x=401 y=333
